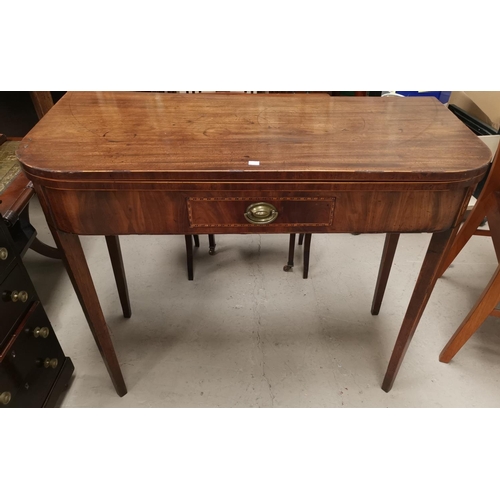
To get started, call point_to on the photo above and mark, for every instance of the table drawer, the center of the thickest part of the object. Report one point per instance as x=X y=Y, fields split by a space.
x=206 y=212
x=30 y=363
x=16 y=295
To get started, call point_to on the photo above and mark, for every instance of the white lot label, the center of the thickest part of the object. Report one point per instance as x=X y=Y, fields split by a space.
x=254 y=163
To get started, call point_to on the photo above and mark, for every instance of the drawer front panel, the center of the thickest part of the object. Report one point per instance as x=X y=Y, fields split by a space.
x=230 y=212
x=6 y=253
x=12 y=306
x=27 y=366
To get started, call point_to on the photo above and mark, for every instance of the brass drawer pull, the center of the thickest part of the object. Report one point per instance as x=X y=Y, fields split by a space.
x=52 y=363
x=4 y=253
x=41 y=332
x=261 y=213
x=5 y=398
x=21 y=296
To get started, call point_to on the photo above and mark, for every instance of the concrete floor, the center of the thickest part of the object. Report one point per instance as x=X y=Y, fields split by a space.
x=246 y=334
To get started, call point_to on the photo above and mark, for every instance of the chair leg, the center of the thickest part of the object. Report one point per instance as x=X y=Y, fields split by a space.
x=482 y=309
x=196 y=240
x=301 y=238
x=211 y=244
x=291 y=253
x=390 y=245
x=45 y=250
x=307 y=251
x=37 y=245
x=468 y=228
x=115 y=254
x=189 y=256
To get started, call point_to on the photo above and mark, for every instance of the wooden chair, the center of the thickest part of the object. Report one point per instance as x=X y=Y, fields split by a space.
x=487 y=205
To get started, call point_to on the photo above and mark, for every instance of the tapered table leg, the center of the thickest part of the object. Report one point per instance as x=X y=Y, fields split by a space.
x=189 y=256
x=307 y=253
x=390 y=245
x=438 y=246
x=291 y=253
x=78 y=271
x=211 y=244
x=115 y=254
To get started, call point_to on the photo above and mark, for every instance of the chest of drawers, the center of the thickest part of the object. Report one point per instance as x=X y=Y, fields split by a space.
x=33 y=367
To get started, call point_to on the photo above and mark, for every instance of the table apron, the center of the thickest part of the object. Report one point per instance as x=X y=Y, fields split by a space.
x=120 y=212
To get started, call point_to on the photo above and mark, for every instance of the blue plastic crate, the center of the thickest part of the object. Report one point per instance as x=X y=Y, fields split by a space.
x=443 y=96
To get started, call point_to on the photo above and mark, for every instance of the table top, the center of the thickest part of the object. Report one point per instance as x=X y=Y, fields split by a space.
x=138 y=135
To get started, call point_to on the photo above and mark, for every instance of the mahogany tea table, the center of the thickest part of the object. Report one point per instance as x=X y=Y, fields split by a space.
x=118 y=163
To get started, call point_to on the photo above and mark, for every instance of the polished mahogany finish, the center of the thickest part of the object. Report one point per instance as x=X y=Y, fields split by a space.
x=140 y=163
x=33 y=368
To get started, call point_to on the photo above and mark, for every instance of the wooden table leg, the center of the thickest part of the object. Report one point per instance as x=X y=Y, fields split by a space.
x=189 y=256
x=291 y=254
x=307 y=253
x=78 y=271
x=390 y=245
x=115 y=254
x=211 y=244
x=438 y=246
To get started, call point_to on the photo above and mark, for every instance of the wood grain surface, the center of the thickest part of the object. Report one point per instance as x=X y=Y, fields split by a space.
x=131 y=135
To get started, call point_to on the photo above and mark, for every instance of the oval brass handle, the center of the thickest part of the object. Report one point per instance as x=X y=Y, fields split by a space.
x=22 y=296
x=52 y=363
x=4 y=253
x=261 y=213
x=41 y=332
x=5 y=398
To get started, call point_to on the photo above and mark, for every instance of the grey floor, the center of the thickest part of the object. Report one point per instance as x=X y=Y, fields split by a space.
x=246 y=334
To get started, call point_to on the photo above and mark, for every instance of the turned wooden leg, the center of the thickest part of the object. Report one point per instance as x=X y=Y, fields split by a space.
x=481 y=310
x=390 y=245
x=301 y=238
x=211 y=244
x=196 y=240
x=189 y=256
x=115 y=254
x=307 y=252
x=438 y=246
x=78 y=271
x=291 y=253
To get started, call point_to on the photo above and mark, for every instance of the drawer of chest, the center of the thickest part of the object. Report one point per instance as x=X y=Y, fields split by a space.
x=206 y=212
x=6 y=255
x=16 y=295
x=30 y=363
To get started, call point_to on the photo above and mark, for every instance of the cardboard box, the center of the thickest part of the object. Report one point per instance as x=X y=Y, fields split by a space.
x=484 y=106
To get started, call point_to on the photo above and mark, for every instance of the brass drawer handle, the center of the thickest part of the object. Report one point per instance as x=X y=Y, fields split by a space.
x=52 y=363
x=22 y=296
x=4 y=253
x=261 y=213
x=5 y=398
x=41 y=332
